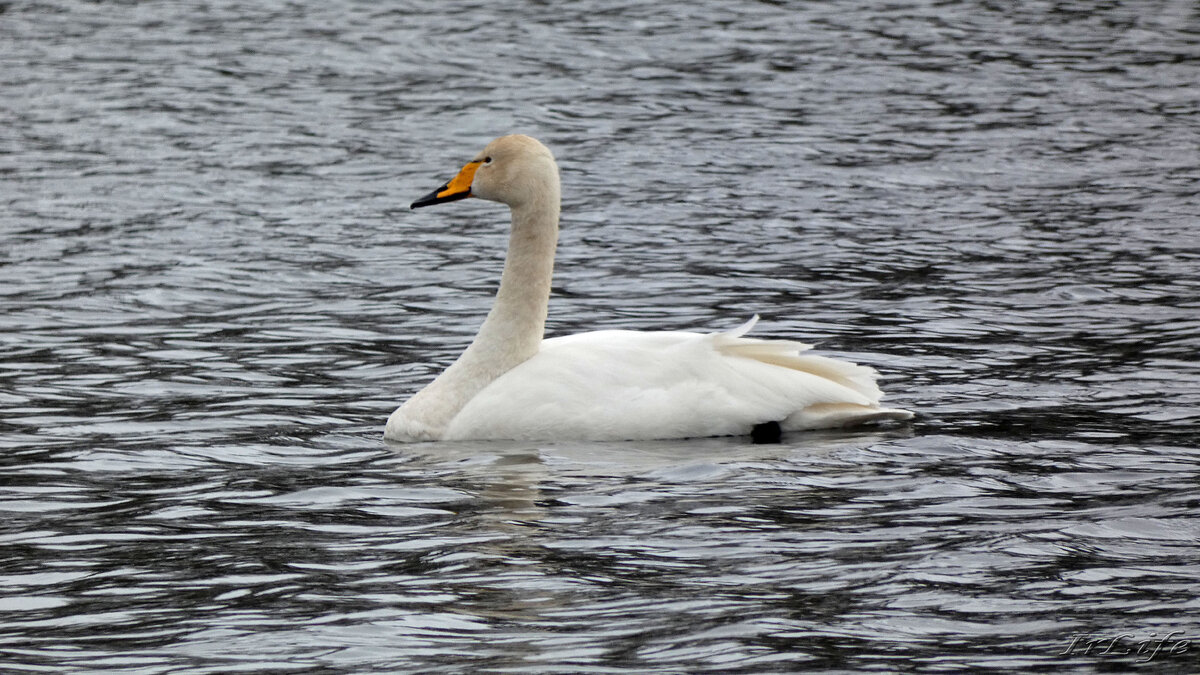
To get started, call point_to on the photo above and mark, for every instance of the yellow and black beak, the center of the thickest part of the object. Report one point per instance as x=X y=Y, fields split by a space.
x=459 y=187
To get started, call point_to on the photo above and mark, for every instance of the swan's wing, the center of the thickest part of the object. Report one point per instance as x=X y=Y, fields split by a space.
x=613 y=385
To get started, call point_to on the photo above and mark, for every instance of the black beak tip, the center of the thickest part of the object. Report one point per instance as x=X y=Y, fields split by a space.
x=427 y=200
x=433 y=198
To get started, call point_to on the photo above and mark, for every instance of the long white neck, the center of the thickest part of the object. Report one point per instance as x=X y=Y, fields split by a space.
x=513 y=330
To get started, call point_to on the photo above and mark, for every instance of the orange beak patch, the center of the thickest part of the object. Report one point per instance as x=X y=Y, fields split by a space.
x=459 y=187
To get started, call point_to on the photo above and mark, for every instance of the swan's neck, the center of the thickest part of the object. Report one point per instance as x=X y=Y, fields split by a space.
x=512 y=332
x=513 y=329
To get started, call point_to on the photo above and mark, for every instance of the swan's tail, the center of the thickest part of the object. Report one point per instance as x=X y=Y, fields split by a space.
x=839 y=415
x=788 y=354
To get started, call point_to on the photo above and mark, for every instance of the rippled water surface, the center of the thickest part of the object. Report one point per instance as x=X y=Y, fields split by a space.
x=212 y=294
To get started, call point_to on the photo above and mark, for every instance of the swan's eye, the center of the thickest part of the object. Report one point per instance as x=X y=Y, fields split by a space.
x=487 y=160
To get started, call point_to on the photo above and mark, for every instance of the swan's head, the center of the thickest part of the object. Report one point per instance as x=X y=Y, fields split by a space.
x=511 y=169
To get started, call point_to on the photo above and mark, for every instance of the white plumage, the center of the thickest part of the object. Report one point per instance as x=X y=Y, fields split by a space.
x=610 y=385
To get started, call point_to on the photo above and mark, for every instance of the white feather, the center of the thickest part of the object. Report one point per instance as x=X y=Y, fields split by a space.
x=619 y=385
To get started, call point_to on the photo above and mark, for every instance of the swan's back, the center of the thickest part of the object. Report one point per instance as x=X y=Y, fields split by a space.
x=617 y=385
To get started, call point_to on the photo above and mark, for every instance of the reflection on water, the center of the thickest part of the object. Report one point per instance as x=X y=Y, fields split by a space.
x=836 y=553
x=213 y=296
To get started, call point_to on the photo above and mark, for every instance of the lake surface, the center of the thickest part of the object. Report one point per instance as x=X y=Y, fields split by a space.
x=212 y=294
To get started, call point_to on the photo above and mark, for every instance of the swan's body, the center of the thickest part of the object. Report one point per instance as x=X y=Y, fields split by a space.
x=609 y=385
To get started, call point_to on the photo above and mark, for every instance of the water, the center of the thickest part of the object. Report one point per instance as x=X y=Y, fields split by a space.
x=213 y=294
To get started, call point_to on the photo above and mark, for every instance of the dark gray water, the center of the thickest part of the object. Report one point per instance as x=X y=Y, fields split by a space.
x=213 y=295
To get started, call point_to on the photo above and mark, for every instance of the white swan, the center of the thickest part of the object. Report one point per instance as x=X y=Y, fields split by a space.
x=612 y=384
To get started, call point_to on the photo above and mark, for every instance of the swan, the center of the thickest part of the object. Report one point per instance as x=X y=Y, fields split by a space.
x=512 y=384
